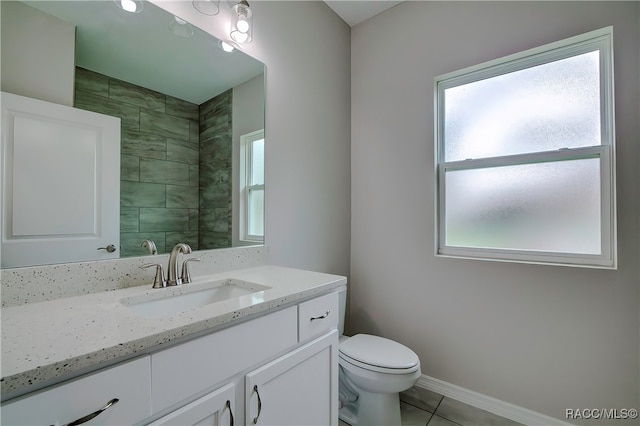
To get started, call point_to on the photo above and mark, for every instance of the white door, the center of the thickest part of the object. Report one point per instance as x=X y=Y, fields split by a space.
x=60 y=183
x=213 y=409
x=300 y=388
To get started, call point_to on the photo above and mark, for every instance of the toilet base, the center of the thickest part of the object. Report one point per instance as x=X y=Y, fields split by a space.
x=373 y=409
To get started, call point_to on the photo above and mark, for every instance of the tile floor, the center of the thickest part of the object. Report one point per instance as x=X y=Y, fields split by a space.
x=421 y=407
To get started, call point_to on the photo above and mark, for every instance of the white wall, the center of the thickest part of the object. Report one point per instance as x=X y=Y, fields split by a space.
x=42 y=64
x=545 y=338
x=306 y=50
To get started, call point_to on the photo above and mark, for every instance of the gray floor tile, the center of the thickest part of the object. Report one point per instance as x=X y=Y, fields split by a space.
x=449 y=412
x=421 y=398
x=466 y=415
x=413 y=416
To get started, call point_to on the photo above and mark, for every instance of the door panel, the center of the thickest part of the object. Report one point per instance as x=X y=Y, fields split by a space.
x=300 y=388
x=213 y=409
x=60 y=183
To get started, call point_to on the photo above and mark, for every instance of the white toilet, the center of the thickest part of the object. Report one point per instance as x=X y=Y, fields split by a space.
x=373 y=370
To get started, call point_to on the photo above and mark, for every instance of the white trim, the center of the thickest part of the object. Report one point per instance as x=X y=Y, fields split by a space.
x=487 y=403
x=245 y=177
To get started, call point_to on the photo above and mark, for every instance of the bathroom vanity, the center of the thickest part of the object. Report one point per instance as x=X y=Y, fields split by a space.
x=265 y=357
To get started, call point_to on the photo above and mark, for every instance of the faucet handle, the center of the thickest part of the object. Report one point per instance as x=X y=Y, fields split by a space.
x=186 y=275
x=150 y=245
x=159 y=281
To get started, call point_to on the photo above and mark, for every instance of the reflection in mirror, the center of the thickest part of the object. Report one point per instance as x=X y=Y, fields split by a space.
x=183 y=106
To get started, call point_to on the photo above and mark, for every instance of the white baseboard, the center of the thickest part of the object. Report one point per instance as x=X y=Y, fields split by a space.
x=487 y=403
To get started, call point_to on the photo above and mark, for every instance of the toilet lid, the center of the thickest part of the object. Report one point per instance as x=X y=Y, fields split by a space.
x=378 y=352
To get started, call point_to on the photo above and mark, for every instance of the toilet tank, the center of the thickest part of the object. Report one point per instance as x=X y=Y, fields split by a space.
x=342 y=308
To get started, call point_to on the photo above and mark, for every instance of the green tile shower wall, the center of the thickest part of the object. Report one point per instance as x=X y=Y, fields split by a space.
x=215 y=171
x=170 y=190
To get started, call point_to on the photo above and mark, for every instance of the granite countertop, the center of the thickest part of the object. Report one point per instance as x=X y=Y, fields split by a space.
x=45 y=342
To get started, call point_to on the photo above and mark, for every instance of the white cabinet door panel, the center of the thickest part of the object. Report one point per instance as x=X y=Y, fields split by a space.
x=214 y=409
x=60 y=183
x=299 y=388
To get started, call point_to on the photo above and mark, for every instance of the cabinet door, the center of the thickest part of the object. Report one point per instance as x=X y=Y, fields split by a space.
x=129 y=383
x=299 y=388
x=213 y=409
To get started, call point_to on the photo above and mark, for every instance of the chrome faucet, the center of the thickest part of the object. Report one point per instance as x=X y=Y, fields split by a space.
x=174 y=278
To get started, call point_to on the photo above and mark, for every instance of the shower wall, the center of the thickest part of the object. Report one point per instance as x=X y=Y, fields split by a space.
x=160 y=184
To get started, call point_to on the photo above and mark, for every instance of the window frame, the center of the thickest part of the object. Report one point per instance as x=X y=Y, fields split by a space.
x=601 y=40
x=246 y=162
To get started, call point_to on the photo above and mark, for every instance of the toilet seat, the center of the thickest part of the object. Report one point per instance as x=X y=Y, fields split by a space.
x=378 y=354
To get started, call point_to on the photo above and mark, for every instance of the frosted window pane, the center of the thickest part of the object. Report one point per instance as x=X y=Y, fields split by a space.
x=256 y=212
x=546 y=107
x=525 y=207
x=257 y=162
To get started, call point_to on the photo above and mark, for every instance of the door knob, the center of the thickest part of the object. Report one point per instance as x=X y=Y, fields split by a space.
x=110 y=248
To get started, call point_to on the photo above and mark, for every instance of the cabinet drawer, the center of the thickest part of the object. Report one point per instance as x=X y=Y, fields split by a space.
x=129 y=382
x=195 y=366
x=317 y=316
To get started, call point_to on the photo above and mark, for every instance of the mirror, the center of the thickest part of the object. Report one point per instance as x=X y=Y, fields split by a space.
x=185 y=105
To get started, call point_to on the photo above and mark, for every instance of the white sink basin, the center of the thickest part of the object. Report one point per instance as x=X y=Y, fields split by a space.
x=176 y=299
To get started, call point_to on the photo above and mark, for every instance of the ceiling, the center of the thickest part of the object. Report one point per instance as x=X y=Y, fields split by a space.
x=354 y=12
x=139 y=48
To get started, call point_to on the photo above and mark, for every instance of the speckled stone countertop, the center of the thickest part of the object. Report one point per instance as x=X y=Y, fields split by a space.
x=45 y=342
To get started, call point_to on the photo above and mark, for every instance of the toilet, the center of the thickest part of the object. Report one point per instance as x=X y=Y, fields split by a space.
x=372 y=372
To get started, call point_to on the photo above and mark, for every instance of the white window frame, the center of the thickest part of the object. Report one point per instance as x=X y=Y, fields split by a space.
x=246 y=161
x=601 y=40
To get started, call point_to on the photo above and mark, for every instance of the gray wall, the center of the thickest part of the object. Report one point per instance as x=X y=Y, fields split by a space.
x=37 y=54
x=545 y=338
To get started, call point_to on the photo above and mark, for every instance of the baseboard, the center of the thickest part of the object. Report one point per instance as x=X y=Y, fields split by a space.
x=487 y=403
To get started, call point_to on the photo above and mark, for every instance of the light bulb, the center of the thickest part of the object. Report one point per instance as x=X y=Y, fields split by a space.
x=239 y=37
x=129 y=5
x=227 y=47
x=242 y=25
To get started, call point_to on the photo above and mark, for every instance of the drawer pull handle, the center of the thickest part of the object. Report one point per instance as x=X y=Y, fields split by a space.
x=93 y=415
x=326 y=314
x=255 y=389
x=230 y=413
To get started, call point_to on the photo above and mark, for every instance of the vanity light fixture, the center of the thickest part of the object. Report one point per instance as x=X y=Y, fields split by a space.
x=132 y=6
x=207 y=7
x=227 y=47
x=242 y=24
x=180 y=27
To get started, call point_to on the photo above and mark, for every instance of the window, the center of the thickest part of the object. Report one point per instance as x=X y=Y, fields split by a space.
x=252 y=187
x=525 y=156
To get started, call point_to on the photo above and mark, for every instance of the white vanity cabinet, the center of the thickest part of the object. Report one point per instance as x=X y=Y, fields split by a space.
x=129 y=382
x=199 y=365
x=299 y=387
x=278 y=369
